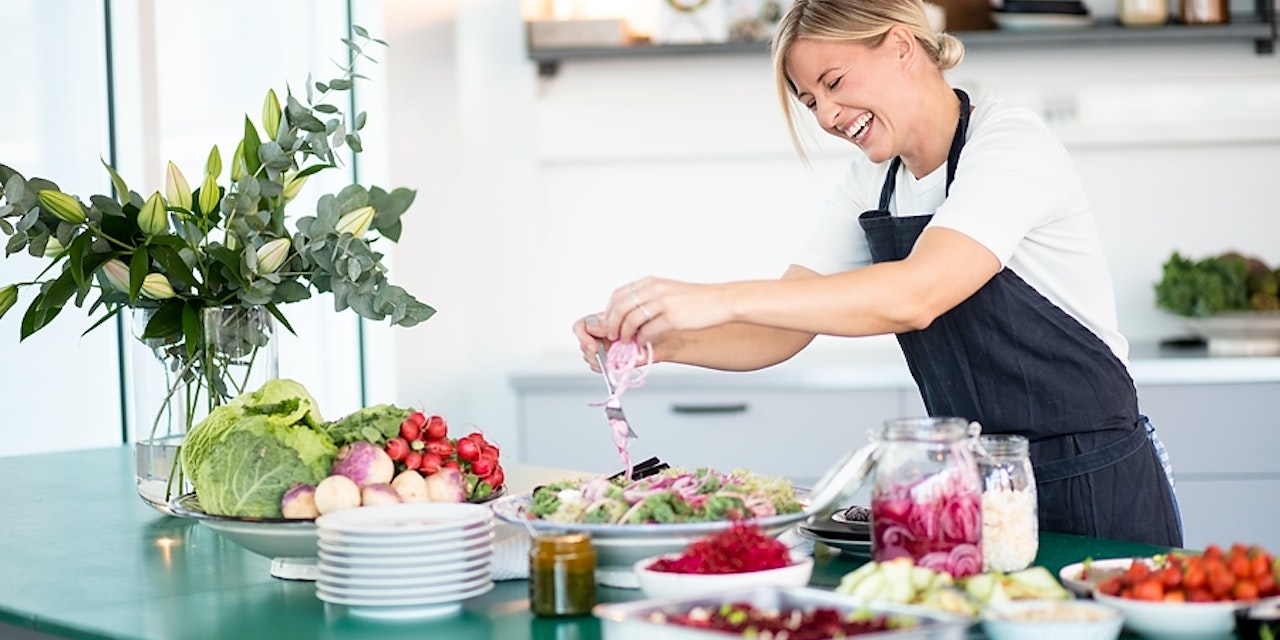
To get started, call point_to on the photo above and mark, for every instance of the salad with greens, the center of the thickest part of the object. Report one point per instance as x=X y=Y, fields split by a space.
x=671 y=496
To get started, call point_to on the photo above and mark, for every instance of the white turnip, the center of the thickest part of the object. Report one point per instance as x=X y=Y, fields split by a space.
x=411 y=486
x=336 y=493
x=379 y=493
x=446 y=485
x=299 y=502
x=365 y=463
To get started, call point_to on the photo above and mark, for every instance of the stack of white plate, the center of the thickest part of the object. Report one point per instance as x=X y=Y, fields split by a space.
x=411 y=560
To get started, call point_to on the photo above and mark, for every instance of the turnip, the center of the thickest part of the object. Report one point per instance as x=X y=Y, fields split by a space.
x=365 y=463
x=446 y=485
x=411 y=486
x=336 y=493
x=299 y=502
x=379 y=493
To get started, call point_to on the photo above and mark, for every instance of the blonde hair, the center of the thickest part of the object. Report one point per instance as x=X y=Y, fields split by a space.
x=864 y=22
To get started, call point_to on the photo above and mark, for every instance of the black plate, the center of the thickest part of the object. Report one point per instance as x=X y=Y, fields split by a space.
x=1068 y=7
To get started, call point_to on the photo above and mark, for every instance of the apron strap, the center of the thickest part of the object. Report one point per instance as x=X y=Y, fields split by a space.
x=1055 y=470
x=953 y=155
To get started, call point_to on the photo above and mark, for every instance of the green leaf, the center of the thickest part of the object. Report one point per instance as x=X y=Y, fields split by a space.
x=326 y=108
x=321 y=87
x=117 y=183
x=139 y=265
x=57 y=293
x=275 y=313
x=15 y=188
x=106 y=205
x=340 y=84
x=167 y=320
x=109 y=315
x=75 y=260
x=361 y=119
x=315 y=168
x=360 y=31
x=36 y=317
x=172 y=263
x=251 y=144
x=192 y=330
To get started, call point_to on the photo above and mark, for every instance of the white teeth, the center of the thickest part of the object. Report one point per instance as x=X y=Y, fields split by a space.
x=857 y=126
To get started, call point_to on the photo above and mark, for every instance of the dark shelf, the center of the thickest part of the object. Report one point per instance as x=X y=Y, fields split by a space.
x=1103 y=32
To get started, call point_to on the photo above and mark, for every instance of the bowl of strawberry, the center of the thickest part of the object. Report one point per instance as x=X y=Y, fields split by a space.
x=1186 y=595
x=740 y=556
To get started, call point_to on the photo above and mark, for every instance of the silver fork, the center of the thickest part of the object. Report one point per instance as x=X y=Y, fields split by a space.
x=612 y=408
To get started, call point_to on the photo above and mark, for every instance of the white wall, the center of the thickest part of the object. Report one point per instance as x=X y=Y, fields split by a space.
x=544 y=194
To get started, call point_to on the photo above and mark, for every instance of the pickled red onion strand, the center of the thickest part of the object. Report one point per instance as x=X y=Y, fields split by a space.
x=625 y=370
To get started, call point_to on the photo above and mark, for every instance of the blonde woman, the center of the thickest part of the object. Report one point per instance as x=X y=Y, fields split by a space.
x=962 y=228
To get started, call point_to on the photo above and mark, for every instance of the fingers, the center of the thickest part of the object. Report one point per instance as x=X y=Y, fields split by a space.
x=630 y=307
x=588 y=329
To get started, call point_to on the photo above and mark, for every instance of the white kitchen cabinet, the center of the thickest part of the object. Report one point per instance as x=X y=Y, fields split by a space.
x=792 y=433
x=1216 y=416
x=1222 y=441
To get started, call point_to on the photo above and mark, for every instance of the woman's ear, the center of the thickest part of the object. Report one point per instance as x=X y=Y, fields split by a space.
x=902 y=40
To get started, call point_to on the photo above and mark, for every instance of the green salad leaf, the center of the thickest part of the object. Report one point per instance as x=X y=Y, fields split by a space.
x=253 y=468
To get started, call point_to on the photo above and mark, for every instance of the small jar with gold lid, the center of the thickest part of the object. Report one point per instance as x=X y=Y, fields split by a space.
x=562 y=580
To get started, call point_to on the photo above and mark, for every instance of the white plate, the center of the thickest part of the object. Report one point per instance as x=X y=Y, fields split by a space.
x=409 y=552
x=395 y=589
x=409 y=537
x=851 y=547
x=410 y=611
x=406 y=545
x=419 y=579
x=1176 y=620
x=378 y=562
x=1070 y=574
x=401 y=571
x=404 y=518
x=395 y=598
x=1038 y=21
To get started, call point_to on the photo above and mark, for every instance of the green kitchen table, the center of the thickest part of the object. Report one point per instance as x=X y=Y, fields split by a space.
x=81 y=556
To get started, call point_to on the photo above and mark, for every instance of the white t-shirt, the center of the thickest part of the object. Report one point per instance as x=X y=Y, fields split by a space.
x=1016 y=192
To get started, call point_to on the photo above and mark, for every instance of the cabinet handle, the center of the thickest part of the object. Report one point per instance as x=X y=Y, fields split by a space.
x=739 y=407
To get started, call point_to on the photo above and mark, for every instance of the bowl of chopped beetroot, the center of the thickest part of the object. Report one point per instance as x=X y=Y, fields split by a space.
x=740 y=556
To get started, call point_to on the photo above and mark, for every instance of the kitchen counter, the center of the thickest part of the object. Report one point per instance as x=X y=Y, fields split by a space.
x=82 y=557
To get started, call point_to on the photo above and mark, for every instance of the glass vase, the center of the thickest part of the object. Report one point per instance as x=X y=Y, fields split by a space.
x=174 y=387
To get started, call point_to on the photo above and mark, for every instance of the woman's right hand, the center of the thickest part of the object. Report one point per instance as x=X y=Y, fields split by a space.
x=588 y=329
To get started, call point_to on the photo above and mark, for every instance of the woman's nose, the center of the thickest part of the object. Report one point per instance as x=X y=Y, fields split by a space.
x=827 y=112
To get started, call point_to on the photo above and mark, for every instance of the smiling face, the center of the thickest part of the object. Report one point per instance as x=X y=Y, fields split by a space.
x=854 y=91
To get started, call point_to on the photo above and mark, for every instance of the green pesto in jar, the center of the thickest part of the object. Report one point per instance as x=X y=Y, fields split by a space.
x=562 y=575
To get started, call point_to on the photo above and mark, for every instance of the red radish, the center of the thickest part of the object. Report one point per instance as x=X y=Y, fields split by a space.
x=409 y=429
x=441 y=448
x=430 y=463
x=482 y=466
x=489 y=450
x=497 y=477
x=467 y=450
x=413 y=460
x=436 y=428
x=397 y=448
x=451 y=464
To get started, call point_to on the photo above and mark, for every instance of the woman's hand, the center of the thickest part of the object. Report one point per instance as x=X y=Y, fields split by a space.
x=588 y=329
x=650 y=308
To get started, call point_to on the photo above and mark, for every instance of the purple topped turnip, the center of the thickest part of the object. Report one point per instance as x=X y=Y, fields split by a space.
x=336 y=493
x=379 y=493
x=411 y=486
x=299 y=502
x=446 y=485
x=365 y=463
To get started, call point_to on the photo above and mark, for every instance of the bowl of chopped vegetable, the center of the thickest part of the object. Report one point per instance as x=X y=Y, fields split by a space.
x=738 y=557
x=656 y=515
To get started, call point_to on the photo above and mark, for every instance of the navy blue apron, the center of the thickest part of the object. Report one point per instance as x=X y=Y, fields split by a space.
x=1015 y=362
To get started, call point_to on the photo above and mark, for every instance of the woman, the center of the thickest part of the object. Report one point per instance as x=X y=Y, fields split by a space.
x=965 y=230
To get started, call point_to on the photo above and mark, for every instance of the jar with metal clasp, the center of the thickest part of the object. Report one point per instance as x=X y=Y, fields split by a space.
x=562 y=575
x=1010 y=522
x=926 y=496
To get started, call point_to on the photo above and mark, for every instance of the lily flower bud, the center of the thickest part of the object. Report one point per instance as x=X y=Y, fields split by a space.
x=356 y=222
x=176 y=189
x=54 y=249
x=156 y=287
x=117 y=274
x=8 y=297
x=238 y=168
x=209 y=194
x=271 y=255
x=213 y=166
x=153 y=219
x=271 y=114
x=63 y=206
x=292 y=186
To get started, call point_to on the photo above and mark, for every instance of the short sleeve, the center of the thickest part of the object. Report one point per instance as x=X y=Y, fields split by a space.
x=837 y=242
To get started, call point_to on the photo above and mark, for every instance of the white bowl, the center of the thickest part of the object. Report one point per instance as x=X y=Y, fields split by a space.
x=1051 y=620
x=1176 y=620
x=666 y=584
x=1072 y=574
